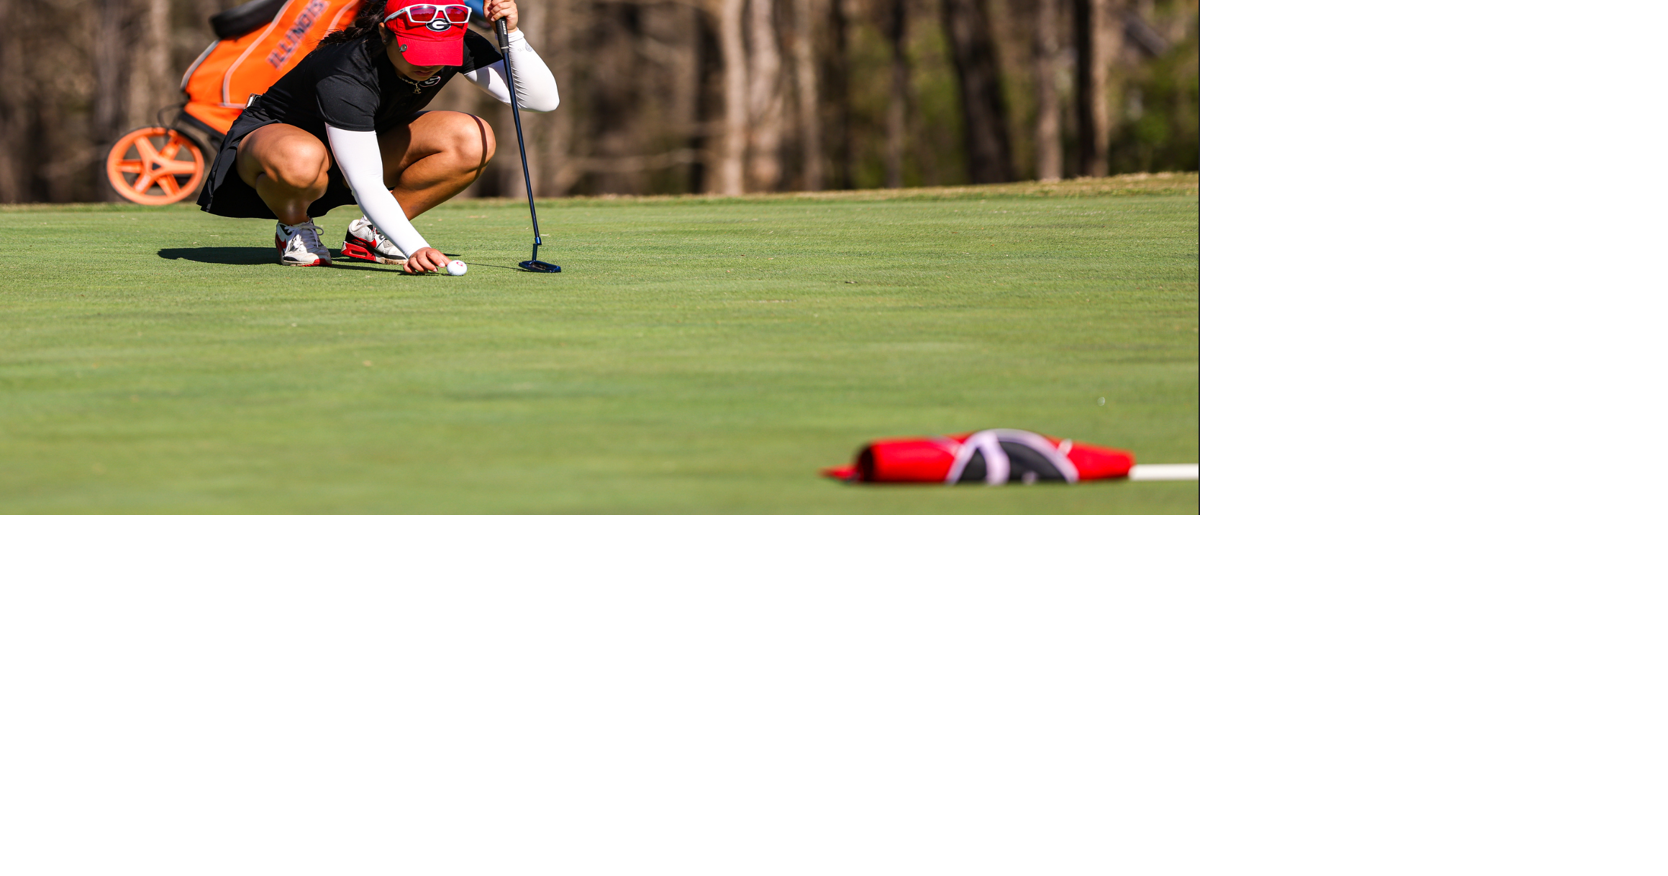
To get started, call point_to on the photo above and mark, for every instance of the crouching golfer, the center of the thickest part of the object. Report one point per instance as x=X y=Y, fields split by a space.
x=347 y=126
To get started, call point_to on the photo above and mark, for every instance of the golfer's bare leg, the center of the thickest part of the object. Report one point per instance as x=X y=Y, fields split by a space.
x=435 y=157
x=288 y=167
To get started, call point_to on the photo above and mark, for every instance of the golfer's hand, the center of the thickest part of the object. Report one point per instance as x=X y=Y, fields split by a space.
x=505 y=9
x=425 y=260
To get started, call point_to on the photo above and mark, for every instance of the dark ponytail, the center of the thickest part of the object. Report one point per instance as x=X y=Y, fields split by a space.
x=369 y=16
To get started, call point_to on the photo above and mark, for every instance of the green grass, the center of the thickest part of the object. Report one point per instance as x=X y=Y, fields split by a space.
x=697 y=354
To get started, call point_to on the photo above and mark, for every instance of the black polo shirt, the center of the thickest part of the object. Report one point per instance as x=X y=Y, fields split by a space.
x=353 y=86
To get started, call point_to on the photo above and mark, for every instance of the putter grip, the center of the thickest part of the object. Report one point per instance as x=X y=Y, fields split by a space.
x=503 y=29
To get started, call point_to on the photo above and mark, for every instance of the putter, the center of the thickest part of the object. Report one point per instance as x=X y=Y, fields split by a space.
x=532 y=264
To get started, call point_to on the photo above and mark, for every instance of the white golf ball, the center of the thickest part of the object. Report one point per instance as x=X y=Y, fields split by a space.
x=456 y=268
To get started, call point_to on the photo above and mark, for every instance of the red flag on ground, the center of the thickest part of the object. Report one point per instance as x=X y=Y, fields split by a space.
x=994 y=456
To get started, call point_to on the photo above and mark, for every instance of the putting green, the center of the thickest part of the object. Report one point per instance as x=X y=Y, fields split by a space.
x=695 y=355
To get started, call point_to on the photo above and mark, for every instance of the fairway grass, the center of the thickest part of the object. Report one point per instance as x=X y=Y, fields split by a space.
x=696 y=355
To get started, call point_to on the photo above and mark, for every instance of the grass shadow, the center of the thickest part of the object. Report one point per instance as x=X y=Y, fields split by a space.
x=219 y=255
x=356 y=265
x=254 y=255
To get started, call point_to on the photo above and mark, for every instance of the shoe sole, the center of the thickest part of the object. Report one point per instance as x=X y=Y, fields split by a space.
x=354 y=248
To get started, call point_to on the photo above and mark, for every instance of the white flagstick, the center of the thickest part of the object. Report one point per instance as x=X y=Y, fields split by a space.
x=1188 y=472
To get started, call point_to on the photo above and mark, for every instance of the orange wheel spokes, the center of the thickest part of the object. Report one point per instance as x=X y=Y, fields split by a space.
x=144 y=166
x=175 y=168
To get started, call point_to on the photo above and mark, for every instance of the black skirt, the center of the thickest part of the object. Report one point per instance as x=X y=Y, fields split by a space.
x=226 y=194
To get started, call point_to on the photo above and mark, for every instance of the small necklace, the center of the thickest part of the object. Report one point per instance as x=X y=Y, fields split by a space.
x=416 y=87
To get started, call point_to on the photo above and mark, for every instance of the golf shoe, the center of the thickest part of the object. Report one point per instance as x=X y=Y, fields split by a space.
x=299 y=246
x=368 y=244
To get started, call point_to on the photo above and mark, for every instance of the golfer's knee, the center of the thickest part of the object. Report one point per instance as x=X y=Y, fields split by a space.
x=301 y=165
x=471 y=141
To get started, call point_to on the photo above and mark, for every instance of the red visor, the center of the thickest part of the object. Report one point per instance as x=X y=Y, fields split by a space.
x=428 y=34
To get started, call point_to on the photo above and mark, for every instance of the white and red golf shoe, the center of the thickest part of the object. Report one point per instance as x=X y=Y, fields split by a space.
x=299 y=246
x=368 y=244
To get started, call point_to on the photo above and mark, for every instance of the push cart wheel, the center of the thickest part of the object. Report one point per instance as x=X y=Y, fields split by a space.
x=155 y=166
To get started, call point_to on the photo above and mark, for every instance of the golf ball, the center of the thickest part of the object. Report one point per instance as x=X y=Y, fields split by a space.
x=456 y=268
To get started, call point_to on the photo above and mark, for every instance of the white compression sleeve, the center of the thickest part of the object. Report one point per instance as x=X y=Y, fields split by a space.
x=535 y=84
x=360 y=159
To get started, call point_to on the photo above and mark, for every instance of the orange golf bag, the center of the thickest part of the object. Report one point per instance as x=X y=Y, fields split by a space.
x=256 y=44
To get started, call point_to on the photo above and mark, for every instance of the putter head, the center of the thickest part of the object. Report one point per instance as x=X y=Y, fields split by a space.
x=541 y=267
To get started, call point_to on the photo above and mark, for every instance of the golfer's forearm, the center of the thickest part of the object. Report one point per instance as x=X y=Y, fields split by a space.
x=535 y=85
x=360 y=159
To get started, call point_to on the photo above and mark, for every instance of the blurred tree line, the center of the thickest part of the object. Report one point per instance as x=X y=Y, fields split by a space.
x=683 y=96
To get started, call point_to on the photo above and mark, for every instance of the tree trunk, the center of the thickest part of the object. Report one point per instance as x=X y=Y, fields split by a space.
x=675 y=37
x=895 y=25
x=1096 y=30
x=615 y=89
x=979 y=83
x=1047 y=58
x=707 y=68
x=1109 y=45
x=764 y=98
x=733 y=148
x=810 y=112
x=1083 y=82
x=555 y=151
x=14 y=107
x=839 y=93
x=109 y=72
x=148 y=82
